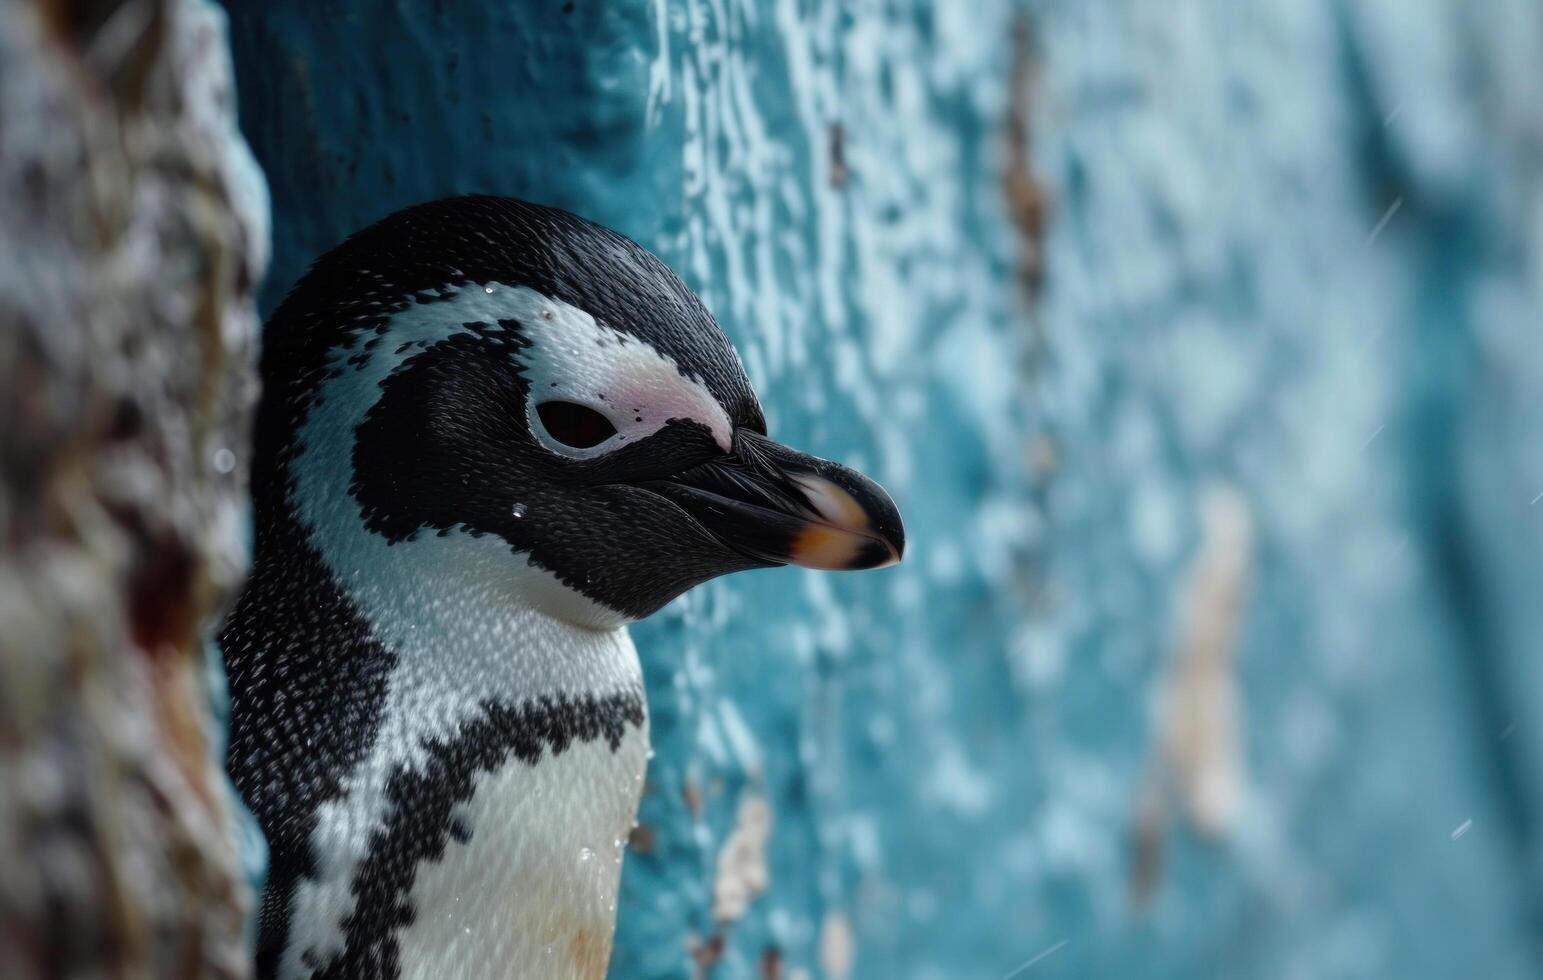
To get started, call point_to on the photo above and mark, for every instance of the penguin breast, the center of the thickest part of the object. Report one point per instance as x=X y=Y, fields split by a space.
x=528 y=881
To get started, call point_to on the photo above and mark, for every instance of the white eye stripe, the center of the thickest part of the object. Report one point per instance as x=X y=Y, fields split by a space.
x=573 y=358
x=570 y=358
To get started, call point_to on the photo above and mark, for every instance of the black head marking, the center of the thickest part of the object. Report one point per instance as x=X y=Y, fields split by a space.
x=445 y=445
x=418 y=254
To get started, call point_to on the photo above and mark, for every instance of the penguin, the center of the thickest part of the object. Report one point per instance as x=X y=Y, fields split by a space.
x=491 y=435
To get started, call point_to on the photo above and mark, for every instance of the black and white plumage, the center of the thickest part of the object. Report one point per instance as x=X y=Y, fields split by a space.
x=491 y=434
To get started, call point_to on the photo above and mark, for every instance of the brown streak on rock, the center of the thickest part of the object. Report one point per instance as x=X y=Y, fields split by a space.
x=590 y=950
x=642 y=839
x=1028 y=203
x=836 y=149
x=707 y=953
x=771 y=963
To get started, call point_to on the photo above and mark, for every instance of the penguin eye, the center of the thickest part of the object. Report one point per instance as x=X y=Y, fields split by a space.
x=571 y=424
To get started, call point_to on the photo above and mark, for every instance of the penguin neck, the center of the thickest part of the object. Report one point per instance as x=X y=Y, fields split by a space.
x=462 y=613
x=507 y=759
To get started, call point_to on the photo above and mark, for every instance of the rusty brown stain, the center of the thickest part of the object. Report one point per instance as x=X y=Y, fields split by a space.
x=835 y=143
x=590 y=950
x=771 y=963
x=642 y=839
x=1148 y=839
x=707 y=953
x=77 y=23
x=1028 y=203
x=182 y=721
x=161 y=592
x=1044 y=456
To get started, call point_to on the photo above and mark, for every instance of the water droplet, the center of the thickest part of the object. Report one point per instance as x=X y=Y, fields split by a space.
x=547 y=314
x=585 y=854
x=487 y=289
x=518 y=510
x=650 y=753
x=224 y=460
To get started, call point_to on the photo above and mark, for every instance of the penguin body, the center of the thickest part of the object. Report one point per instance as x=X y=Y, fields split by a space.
x=491 y=435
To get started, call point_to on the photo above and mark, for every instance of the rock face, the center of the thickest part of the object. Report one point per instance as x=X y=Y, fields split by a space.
x=1220 y=619
x=133 y=231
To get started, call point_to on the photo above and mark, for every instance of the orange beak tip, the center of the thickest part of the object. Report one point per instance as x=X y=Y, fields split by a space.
x=829 y=548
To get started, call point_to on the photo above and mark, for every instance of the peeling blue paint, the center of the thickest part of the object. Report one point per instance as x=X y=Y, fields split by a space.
x=956 y=752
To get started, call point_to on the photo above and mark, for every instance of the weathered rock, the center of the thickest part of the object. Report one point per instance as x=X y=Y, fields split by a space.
x=132 y=234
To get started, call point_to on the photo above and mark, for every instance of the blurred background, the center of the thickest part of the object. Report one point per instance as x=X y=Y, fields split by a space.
x=1200 y=343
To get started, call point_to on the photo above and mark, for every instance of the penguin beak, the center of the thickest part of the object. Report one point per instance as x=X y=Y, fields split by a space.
x=779 y=506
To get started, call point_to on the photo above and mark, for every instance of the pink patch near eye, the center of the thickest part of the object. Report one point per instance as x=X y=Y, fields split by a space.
x=648 y=407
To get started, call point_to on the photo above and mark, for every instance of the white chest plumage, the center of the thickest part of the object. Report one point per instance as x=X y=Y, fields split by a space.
x=532 y=893
x=491 y=808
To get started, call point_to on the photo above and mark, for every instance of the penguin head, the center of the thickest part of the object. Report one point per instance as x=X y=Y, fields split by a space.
x=511 y=387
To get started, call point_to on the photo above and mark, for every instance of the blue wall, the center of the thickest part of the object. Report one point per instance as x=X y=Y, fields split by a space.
x=1093 y=718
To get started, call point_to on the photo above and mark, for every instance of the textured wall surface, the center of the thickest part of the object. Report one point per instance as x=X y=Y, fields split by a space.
x=133 y=234
x=1214 y=651
x=1298 y=249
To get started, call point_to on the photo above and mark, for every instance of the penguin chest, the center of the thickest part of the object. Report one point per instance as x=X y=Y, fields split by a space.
x=526 y=885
